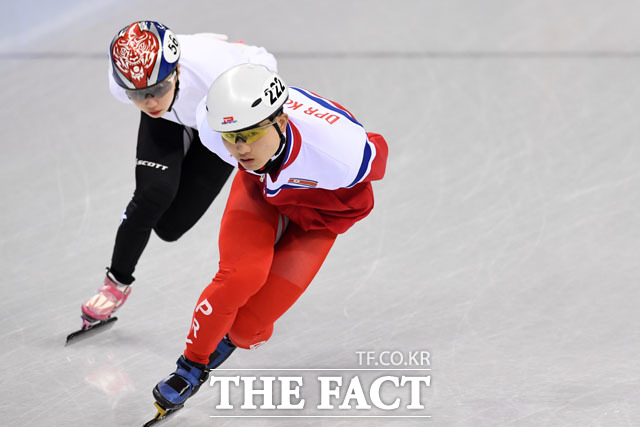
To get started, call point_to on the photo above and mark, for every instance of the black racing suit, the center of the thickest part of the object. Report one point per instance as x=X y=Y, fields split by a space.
x=173 y=190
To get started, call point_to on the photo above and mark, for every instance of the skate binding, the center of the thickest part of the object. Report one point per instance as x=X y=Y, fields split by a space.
x=161 y=414
x=89 y=324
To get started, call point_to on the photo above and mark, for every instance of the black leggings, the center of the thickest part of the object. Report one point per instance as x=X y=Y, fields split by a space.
x=173 y=190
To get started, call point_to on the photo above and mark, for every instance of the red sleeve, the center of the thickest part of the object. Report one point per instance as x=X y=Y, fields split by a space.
x=379 y=165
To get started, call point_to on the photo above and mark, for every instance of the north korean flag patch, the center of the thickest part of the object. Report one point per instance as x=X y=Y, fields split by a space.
x=304 y=182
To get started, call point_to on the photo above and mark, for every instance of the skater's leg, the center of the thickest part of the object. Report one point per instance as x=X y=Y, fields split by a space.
x=160 y=153
x=297 y=259
x=203 y=175
x=247 y=234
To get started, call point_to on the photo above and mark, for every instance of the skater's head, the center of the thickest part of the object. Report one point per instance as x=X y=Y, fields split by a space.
x=244 y=105
x=144 y=61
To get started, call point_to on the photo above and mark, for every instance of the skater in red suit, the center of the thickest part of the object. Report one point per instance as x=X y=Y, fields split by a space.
x=306 y=167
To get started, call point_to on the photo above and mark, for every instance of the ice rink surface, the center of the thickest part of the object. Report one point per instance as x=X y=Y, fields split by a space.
x=505 y=240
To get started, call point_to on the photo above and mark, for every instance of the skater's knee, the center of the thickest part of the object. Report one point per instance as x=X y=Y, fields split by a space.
x=156 y=197
x=250 y=335
x=249 y=329
x=147 y=206
x=167 y=234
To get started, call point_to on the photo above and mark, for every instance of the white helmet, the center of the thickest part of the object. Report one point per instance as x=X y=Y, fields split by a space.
x=243 y=96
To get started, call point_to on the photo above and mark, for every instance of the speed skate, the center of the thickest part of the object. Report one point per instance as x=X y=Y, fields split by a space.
x=90 y=327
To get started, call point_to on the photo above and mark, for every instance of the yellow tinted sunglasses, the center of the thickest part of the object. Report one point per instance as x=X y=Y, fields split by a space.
x=249 y=136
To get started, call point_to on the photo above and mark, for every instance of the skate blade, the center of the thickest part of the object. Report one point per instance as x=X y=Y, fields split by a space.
x=90 y=329
x=161 y=415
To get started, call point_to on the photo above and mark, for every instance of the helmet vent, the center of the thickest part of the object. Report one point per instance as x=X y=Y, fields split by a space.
x=256 y=102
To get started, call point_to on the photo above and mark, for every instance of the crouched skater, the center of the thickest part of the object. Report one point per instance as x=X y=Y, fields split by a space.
x=306 y=167
x=165 y=76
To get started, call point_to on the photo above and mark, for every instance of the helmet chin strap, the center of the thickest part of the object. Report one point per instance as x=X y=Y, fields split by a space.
x=275 y=161
x=175 y=94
